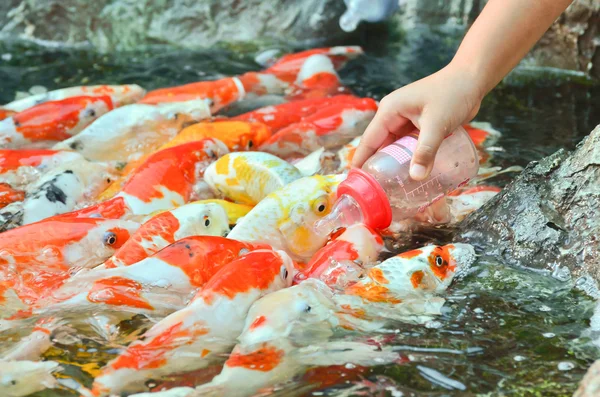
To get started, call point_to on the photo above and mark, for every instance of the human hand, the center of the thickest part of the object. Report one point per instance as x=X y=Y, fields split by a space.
x=435 y=105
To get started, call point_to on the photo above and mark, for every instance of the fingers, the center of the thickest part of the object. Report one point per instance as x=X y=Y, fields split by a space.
x=433 y=131
x=387 y=121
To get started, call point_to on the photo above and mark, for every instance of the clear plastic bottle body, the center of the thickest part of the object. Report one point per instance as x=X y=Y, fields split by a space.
x=456 y=162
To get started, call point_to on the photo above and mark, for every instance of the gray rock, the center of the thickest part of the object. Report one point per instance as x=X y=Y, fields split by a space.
x=549 y=217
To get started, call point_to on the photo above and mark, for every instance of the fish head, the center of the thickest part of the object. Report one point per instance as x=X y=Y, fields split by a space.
x=195 y=110
x=201 y=219
x=301 y=204
x=100 y=242
x=128 y=93
x=298 y=311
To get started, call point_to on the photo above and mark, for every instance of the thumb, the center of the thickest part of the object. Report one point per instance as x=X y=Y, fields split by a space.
x=433 y=131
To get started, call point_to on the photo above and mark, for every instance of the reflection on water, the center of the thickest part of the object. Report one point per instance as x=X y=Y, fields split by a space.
x=504 y=331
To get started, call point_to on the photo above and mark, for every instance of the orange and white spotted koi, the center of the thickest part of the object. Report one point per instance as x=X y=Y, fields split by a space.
x=466 y=200
x=190 y=338
x=38 y=258
x=131 y=131
x=332 y=126
x=317 y=78
x=285 y=218
x=21 y=167
x=404 y=287
x=5 y=113
x=193 y=219
x=165 y=180
x=344 y=258
x=52 y=121
x=119 y=95
x=248 y=177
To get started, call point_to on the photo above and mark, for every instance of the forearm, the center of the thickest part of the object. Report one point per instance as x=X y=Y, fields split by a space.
x=502 y=35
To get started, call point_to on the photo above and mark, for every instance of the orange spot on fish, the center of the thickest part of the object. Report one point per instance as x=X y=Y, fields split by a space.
x=410 y=254
x=377 y=275
x=416 y=278
x=260 y=320
x=118 y=291
x=204 y=353
x=5 y=113
x=372 y=292
x=477 y=135
x=13 y=159
x=264 y=359
x=9 y=195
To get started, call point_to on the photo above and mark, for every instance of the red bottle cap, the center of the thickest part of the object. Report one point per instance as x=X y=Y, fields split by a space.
x=369 y=195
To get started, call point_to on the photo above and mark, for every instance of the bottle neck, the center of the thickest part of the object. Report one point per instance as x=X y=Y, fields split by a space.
x=345 y=212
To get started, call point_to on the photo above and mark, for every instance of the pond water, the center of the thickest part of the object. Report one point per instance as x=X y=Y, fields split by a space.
x=505 y=331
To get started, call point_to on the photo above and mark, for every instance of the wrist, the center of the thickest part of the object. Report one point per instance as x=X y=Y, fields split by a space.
x=470 y=78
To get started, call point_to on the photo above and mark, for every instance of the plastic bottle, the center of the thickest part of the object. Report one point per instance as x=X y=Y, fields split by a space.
x=383 y=191
x=366 y=10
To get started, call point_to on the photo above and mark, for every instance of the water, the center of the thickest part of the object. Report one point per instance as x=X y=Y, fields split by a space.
x=505 y=331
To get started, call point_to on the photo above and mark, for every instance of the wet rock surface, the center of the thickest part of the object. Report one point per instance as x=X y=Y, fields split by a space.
x=547 y=218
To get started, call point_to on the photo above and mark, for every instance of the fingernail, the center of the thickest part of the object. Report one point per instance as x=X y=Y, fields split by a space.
x=417 y=171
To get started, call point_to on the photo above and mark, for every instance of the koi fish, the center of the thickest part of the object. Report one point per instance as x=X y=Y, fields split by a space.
x=165 y=180
x=285 y=218
x=22 y=378
x=279 y=116
x=404 y=287
x=21 y=167
x=331 y=126
x=346 y=154
x=248 y=177
x=466 y=200
x=119 y=95
x=291 y=64
x=57 y=192
x=234 y=211
x=317 y=78
x=193 y=219
x=343 y=259
x=9 y=195
x=482 y=133
x=189 y=338
x=131 y=131
x=52 y=121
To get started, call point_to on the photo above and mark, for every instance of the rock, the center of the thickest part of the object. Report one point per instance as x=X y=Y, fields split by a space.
x=130 y=24
x=547 y=218
x=590 y=384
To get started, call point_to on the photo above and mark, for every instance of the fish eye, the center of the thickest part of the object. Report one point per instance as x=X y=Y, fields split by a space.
x=206 y=221
x=439 y=261
x=250 y=144
x=320 y=206
x=307 y=308
x=284 y=273
x=110 y=238
x=91 y=113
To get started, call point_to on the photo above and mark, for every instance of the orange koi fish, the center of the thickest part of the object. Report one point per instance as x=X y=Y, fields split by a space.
x=5 y=113
x=343 y=259
x=9 y=195
x=329 y=127
x=21 y=167
x=280 y=116
x=189 y=338
x=119 y=95
x=165 y=180
x=193 y=219
x=466 y=200
x=52 y=121
x=317 y=78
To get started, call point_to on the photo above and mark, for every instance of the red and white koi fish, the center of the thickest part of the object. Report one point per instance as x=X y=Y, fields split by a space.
x=280 y=116
x=332 y=126
x=119 y=95
x=58 y=191
x=131 y=131
x=346 y=154
x=21 y=167
x=285 y=218
x=157 y=285
x=22 y=378
x=8 y=195
x=469 y=199
x=165 y=180
x=193 y=219
x=52 y=121
x=344 y=258
x=405 y=286
x=248 y=177
x=189 y=338
x=317 y=78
